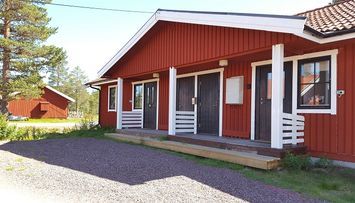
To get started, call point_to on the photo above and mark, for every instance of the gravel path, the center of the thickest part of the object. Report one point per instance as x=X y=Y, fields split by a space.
x=92 y=170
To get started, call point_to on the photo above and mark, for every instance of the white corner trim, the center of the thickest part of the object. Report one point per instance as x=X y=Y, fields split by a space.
x=276 y=96
x=172 y=101
x=252 y=109
x=108 y=98
x=60 y=93
x=221 y=81
x=119 y=102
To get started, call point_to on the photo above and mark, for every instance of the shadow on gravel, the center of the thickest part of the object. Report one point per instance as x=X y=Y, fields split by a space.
x=131 y=164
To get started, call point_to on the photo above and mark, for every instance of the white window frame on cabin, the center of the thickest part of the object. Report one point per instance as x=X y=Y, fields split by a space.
x=333 y=93
x=134 y=98
x=109 y=98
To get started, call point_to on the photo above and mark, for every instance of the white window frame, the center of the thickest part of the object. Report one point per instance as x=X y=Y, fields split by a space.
x=108 y=98
x=142 y=109
x=133 y=97
x=221 y=93
x=333 y=105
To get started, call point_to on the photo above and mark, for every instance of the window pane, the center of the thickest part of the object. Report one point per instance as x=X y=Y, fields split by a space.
x=322 y=71
x=315 y=94
x=112 y=99
x=307 y=73
x=322 y=97
x=138 y=90
x=269 y=85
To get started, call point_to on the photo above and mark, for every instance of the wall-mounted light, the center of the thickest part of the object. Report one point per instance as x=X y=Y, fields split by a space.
x=223 y=62
x=155 y=75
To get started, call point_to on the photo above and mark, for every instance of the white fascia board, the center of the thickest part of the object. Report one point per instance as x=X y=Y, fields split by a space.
x=270 y=23
x=104 y=82
x=141 y=32
x=311 y=37
x=60 y=93
x=257 y=22
x=273 y=24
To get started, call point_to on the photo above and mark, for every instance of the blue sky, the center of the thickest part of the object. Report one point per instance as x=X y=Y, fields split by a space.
x=92 y=37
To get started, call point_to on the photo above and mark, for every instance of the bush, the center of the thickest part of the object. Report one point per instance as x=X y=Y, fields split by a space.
x=6 y=130
x=323 y=163
x=297 y=162
x=88 y=122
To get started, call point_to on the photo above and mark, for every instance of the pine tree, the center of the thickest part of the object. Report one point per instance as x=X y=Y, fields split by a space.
x=60 y=73
x=25 y=59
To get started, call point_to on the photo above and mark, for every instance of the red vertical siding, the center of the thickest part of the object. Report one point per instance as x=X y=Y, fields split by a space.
x=236 y=118
x=107 y=119
x=334 y=135
x=163 y=101
x=127 y=95
x=57 y=108
x=154 y=51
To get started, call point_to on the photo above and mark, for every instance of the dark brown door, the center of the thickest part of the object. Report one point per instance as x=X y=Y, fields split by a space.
x=263 y=99
x=185 y=90
x=150 y=105
x=208 y=104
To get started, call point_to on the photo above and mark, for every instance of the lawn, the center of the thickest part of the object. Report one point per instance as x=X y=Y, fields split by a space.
x=50 y=120
x=333 y=184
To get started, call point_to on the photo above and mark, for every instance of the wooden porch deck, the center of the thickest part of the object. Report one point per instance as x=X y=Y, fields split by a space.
x=235 y=144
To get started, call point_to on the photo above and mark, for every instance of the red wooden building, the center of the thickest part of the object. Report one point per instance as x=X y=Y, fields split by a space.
x=286 y=80
x=52 y=104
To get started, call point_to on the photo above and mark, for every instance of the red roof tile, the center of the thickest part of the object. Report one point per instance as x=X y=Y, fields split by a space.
x=332 y=19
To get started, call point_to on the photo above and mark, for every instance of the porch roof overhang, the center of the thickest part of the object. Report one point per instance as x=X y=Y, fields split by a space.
x=272 y=23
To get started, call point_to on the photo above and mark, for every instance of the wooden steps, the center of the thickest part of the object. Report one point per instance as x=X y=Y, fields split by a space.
x=239 y=157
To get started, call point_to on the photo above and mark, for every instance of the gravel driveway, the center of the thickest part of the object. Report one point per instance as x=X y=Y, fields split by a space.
x=98 y=170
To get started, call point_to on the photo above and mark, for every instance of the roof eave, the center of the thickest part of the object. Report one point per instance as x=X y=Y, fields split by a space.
x=272 y=23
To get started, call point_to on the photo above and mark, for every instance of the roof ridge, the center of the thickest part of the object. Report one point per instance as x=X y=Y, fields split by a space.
x=323 y=7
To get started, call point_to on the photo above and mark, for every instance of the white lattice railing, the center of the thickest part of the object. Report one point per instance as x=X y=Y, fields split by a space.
x=185 y=122
x=293 y=128
x=132 y=119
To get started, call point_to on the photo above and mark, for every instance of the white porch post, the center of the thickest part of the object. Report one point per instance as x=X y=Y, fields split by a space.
x=119 y=102
x=277 y=96
x=172 y=100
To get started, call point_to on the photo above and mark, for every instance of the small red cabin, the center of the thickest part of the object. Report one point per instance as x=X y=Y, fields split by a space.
x=281 y=80
x=52 y=104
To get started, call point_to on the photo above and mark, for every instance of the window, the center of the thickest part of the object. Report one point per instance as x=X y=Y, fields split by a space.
x=137 y=96
x=112 y=98
x=314 y=83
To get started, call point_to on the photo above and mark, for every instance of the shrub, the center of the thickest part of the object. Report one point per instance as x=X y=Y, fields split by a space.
x=6 y=131
x=297 y=162
x=323 y=163
x=87 y=122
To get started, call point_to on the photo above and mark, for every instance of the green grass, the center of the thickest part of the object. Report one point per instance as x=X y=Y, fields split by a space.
x=334 y=184
x=50 y=120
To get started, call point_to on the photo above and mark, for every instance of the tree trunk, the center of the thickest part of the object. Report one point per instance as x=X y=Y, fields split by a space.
x=6 y=65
